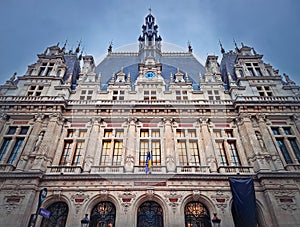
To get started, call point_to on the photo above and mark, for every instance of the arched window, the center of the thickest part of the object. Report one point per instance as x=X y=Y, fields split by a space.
x=196 y=215
x=150 y=214
x=103 y=215
x=59 y=213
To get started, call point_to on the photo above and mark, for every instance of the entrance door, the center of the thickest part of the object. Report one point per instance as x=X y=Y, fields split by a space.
x=150 y=214
x=196 y=215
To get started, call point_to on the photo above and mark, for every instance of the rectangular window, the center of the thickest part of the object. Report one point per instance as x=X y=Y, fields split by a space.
x=105 y=156
x=144 y=133
x=4 y=147
x=108 y=133
x=221 y=153
x=71 y=133
x=66 y=153
x=295 y=148
x=182 y=153
x=78 y=153
x=194 y=153
x=14 y=154
x=233 y=153
x=155 y=133
x=180 y=133
x=284 y=151
x=117 y=153
x=156 y=153
x=12 y=130
x=144 y=148
x=192 y=133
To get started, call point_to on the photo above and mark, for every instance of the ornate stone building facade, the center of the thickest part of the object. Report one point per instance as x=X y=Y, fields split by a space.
x=83 y=131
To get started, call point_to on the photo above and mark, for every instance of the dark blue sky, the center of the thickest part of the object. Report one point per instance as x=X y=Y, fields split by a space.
x=27 y=27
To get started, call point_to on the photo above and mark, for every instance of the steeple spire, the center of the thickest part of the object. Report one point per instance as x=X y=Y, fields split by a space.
x=150 y=31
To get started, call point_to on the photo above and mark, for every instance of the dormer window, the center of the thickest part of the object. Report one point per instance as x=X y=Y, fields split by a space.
x=35 y=90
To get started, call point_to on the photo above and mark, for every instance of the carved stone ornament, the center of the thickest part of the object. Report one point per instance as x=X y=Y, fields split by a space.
x=12 y=203
x=78 y=200
x=221 y=200
x=196 y=195
x=173 y=199
x=286 y=199
x=126 y=200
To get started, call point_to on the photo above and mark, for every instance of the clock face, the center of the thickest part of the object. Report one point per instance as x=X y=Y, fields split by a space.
x=149 y=75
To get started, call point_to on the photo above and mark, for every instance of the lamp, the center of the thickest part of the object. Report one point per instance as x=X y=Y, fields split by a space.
x=216 y=221
x=85 y=221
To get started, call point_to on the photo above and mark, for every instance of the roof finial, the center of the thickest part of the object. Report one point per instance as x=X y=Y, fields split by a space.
x=235 y=44
x=222 y=49
x=109 y=50
x=150 y=10
x=78 y=47
x=190 y=47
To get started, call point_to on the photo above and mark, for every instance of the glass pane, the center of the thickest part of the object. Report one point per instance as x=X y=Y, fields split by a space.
x=59 y=213
x=14 y=154
x=194 y=153
x=24 y=130
x=4 y=147
x=105 y=155
x=156 y=160
x=12 y=130
x=295 y=148
x=150 y=214
x=103 y=215
x=182 y=153
x=117 y=155
x=196 y=214
x=284 y=151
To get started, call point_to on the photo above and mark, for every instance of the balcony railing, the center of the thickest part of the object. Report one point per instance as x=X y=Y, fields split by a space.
x=64 y=169
x=235 y=169
x=193 y=169
x=107 y=169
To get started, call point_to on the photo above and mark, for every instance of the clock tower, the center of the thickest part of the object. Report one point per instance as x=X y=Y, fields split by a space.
x=150 y=71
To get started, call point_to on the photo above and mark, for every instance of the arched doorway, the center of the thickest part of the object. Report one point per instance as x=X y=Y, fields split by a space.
x=59 y=213
x=196 y=215
x=150 y=214
x=103 y=215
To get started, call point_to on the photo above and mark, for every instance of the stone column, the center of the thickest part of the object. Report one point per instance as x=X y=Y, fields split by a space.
x=3 y=119
x=130 y=146
x=208 y=145
x=92 y=145
x=169 y=146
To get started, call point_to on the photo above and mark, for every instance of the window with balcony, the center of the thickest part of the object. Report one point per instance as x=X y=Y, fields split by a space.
x=226 y=149
x=112 y=147
x=74 y=147
x=150 y=141
x=187 y=147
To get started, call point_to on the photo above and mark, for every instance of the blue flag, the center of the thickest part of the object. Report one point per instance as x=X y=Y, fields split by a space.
x=244 y=202
x=148 y=162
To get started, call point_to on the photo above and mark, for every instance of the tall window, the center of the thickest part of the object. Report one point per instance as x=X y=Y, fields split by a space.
x=226 y=149
x=287 y=144
x=112 y=146
x=150 y=142
x=187 y=147
x=12 y=144
x=254 y=69
x=74 y=147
